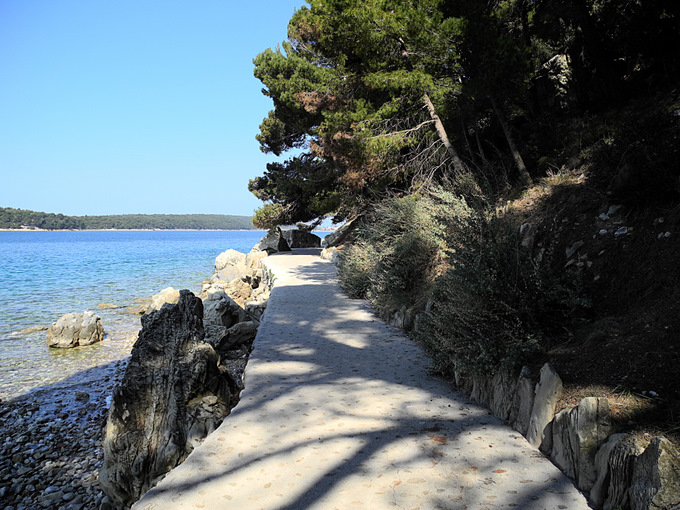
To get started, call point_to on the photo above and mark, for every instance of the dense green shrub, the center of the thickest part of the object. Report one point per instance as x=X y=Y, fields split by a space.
x=400 y=250
x=357 y=265
x=481 y=320
x=488 y=302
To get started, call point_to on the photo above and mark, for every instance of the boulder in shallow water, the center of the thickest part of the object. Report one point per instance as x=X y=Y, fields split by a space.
x=75 y=329
x=172 y=395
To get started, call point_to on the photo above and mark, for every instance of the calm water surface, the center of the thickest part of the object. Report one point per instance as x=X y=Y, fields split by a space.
x=44 y=275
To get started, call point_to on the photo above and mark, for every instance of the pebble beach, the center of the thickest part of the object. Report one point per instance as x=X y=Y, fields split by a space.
x=50 y=451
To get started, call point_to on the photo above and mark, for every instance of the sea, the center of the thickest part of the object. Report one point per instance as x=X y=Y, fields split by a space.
x=46 y=274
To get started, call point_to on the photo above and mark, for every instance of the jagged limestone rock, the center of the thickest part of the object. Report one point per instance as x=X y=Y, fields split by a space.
x=256 y=309
x=523 y=402
x=503 y=387
x=598 y=494
x=481 y=389
x=156 y=302
x=254 y=264
x=342 y=233
x=402 y=319
x=221 y=310
x=577 y=435
x=239 y=291
x=75 y=329
x=548 y=391
x=621 y=464
x=236 y=336
x=231 y=265
x=656 y=477
x=172 y=395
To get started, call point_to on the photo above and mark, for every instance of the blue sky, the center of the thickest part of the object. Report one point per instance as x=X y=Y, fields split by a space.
x=133 y=106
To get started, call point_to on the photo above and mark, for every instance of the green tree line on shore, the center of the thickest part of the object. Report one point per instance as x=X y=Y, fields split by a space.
x=20 y=218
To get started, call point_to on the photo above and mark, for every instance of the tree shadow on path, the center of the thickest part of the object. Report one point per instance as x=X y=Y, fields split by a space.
x=340 y=410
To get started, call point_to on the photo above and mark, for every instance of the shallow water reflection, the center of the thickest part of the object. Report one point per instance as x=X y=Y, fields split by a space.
x=27 y=363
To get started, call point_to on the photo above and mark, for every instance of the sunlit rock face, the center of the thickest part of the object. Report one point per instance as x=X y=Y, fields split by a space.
x=75 y=329
x=173 y=394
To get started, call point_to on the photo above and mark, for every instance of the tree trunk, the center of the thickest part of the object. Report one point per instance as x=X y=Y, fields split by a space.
x=524 y=177
x=482 y=154
x=458 y=165
x=467 y=141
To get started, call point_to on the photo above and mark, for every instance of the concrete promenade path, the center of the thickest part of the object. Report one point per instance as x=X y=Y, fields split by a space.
x=339 y=412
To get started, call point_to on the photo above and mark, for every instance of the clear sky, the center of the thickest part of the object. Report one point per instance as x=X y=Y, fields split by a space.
x=133 y=106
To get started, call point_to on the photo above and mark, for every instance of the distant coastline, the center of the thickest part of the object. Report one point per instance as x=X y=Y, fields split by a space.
x=129 y=229
x=26 y=220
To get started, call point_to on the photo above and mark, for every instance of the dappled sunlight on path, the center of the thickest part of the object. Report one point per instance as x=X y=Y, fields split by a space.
x=340 y=412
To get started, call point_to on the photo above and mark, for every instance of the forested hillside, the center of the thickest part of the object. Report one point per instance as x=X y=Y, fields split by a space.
x=511 y=169
x=21 y=218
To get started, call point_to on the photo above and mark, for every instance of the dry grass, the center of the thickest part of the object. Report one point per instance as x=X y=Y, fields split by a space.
x=626 y=343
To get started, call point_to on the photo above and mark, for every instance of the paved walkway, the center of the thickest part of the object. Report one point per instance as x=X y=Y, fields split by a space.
x=339 y=412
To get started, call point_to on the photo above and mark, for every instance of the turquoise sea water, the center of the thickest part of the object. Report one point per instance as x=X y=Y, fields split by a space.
x=44 y=275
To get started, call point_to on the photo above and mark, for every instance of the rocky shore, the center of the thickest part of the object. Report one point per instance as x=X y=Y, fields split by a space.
x=51 y=440
x=50 y=452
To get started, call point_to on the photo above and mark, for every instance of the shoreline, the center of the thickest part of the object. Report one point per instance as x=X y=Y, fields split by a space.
x=148 y=230
x=131 y=230
x=52 y=451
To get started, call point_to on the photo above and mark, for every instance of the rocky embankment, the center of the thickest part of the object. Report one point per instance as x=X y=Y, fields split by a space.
x=51 y=450
x=615 y=471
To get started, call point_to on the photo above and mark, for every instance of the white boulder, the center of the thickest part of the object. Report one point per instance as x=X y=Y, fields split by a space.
x=75 y=329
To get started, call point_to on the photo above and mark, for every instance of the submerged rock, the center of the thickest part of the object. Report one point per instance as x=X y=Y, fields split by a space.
x=75 y=329
x=33 y=329
x=173 y=394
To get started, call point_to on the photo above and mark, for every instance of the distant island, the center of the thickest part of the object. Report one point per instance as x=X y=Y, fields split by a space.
x=24 y=219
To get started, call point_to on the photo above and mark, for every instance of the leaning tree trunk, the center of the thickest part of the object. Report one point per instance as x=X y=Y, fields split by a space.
x=524 y=177
x=480 y=148
x=458 y=165
x=467 y=141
